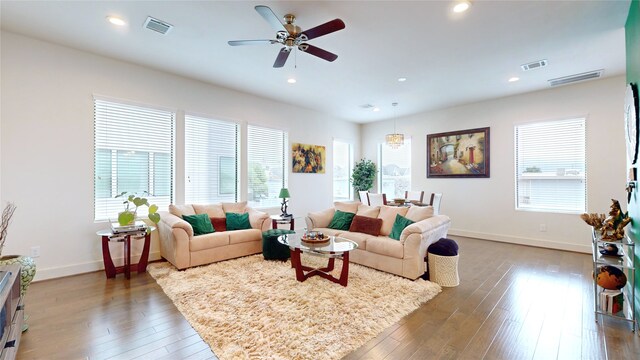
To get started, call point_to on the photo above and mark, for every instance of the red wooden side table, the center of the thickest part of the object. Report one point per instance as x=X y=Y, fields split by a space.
x=277 y=219
x=109 y=268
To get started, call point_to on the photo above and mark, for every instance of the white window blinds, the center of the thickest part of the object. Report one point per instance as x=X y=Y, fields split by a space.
x=133 y=152
x=395 y=170
x=267 y=167
x=550 y=166
x=211 y=160
x=342 y=160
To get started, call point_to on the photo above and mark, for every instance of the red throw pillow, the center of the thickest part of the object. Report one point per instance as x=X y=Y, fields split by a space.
x=220 y=224
x=367 y=225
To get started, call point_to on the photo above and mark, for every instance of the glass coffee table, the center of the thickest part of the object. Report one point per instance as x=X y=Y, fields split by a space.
x=335 y=247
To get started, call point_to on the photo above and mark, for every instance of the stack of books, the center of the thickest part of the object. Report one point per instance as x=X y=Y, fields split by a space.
x=611 y=301
x=139 y=228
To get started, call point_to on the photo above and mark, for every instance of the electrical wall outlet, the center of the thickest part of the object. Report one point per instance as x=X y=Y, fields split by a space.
x=543 y=227
x=35 y=251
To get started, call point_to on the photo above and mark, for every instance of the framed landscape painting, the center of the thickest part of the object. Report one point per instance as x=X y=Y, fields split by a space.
x=307 y=158
x=458 y=154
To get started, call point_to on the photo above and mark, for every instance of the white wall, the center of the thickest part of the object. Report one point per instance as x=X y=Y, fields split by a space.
x=47 y=143
x=485 y=208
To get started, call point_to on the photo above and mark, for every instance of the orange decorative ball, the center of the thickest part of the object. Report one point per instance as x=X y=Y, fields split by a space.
x=611 y=278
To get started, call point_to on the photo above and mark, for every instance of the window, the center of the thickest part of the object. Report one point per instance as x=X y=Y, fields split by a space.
x=395 y=170
x=267 y=168
x=211 y=166
x=133 y=152
x=342 y=160
x=550 y=166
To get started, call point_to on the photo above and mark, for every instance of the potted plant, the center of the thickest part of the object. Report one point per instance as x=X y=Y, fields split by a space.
x=131 y=204
x=363 y=174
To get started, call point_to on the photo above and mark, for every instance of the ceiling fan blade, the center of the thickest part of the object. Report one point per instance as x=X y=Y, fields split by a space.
x=271 y=18
x=324 y=29
x=282 y=57
x=316 y=51
x=251 y=42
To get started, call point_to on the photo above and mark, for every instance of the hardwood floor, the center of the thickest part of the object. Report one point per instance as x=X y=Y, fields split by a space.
x=514 y=302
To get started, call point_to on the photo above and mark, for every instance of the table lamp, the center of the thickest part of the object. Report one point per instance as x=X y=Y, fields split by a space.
x=284 y=194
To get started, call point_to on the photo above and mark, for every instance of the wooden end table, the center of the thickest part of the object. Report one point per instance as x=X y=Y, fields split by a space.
x=277 y=219
x=109 y=268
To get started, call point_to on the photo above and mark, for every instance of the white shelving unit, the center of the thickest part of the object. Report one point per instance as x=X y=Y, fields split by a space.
x=623 y=261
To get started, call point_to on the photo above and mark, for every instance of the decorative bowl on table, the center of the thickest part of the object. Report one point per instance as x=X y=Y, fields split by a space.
x=314 y=237
x=610 y=250
x=399 y=200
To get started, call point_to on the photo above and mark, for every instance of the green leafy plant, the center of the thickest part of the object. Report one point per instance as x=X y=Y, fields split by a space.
x=131 y=205
x=363 y=174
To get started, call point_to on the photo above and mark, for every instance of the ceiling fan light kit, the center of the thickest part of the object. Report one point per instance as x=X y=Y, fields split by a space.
x=291 y=36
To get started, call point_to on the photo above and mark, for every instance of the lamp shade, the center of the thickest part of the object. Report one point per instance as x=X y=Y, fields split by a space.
x=284 y=193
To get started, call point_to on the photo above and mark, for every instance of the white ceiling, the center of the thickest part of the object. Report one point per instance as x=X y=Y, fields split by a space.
x=449 y=59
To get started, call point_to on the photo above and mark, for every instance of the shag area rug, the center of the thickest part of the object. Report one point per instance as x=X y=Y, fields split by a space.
x=249 y=308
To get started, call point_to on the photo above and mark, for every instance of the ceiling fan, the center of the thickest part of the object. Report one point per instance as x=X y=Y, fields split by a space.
x=292 y=36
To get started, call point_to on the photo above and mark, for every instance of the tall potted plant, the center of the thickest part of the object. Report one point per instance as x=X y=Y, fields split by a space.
x=363 y=174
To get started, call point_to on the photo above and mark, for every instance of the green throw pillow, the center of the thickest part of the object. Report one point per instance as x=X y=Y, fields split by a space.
x=237 y=221
x=201 y=223
x=341 y=220
x=399 y=225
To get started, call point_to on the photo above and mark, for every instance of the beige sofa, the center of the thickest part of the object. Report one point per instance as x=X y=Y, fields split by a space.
x=404 y=257
x=180 y=247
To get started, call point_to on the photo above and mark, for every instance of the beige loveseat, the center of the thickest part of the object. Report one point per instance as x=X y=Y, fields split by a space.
x=404 y=257
x=180 y=247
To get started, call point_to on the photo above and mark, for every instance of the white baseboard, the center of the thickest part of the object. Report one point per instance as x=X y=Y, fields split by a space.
x=75 y=269
x=97 y=265
x=523 y=241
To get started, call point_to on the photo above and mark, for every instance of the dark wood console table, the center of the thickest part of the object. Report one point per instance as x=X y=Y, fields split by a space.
x=12 y=315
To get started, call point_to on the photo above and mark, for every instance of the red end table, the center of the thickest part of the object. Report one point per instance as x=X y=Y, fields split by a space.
x=277 y=219
x=125 y=238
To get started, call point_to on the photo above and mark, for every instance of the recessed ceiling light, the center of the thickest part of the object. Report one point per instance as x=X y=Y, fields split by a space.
x=514 y=79
x=291 y=81
x=402 y=79
x=376 y=109
x=116 y=21
x=461 y=6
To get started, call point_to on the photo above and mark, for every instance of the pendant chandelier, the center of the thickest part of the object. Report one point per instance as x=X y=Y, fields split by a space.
x=394 y=140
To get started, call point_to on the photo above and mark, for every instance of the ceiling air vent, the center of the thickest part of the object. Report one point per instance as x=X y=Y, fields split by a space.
x=576 y=78
x=534 y=65
x=157 y=25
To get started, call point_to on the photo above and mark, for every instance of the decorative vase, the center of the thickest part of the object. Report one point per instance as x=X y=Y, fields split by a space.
x=28 y=271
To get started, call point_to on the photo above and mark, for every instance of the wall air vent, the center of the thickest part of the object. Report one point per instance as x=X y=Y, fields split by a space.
x=157 y=25
x=534 y=65
x=576 y=78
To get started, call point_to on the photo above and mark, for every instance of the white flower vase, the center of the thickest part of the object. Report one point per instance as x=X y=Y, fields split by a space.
x=27 y=272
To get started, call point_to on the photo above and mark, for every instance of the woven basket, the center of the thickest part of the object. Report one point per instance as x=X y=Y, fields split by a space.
x=443 y=270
